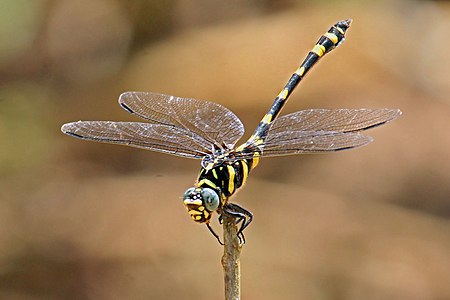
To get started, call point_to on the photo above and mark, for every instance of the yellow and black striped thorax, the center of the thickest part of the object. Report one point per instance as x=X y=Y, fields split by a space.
x=227 y=177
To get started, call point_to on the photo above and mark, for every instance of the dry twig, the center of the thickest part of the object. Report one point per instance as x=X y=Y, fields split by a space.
x=230 y=259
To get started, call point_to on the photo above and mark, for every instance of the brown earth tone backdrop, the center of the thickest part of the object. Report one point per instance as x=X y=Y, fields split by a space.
x=80 y=220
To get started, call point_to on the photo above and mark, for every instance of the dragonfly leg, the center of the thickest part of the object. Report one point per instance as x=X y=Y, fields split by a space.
x=238 y=220
x=214 y=233
x=242 y=216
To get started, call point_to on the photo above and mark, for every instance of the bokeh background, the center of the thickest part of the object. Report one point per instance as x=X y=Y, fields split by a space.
x=81 y=220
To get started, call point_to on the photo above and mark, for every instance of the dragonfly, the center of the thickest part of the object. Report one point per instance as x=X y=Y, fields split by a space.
x=209 y=132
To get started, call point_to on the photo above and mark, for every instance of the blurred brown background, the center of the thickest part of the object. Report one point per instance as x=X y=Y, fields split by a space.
x=81 y=220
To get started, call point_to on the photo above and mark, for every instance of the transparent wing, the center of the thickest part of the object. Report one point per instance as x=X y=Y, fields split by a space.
x=211 y=121
x=337 y=120
x=322 y=130
x=156 y=137
x=285 y=143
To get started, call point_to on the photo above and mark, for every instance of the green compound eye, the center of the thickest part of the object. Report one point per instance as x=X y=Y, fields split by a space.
x=188 y=193
x=210 y=199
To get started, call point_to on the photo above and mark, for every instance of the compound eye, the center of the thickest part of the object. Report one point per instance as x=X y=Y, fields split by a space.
x=210 y=199
x=188 y=193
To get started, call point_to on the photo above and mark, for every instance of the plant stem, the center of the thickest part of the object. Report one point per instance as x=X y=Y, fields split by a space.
x=230 y=259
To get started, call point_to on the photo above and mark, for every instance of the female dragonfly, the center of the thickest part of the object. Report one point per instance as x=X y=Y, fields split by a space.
x=208 y=131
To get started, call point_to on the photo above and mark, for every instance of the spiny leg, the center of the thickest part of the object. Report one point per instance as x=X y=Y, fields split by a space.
x=248 y=216
x=241 y=215
x=220 y=219
x=214 y=233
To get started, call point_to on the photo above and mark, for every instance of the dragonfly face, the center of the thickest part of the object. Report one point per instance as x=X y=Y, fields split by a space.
x=201 y=203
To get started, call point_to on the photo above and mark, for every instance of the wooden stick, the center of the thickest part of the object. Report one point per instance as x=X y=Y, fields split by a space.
x=230 y=259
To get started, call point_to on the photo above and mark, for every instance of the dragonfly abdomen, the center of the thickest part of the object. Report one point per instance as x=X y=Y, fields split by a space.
x=327 y=42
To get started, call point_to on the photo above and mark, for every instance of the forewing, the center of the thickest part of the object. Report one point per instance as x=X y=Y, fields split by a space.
x=156 y=137
x=215 y=123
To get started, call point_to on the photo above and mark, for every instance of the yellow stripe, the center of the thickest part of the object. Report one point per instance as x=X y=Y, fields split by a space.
x=283 y=94
x=244 y=171
x=232 y=174
x=241 y=147
x=214 y=173
x=319 y=50
x=267 y=119
x=195 y=202
x=207 y=182
x=332 y=37
x=257 y=140
x=300 y=71
x=339 y=29
x=255 y=161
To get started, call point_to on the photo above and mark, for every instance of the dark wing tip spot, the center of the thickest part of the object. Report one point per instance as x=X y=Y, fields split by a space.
x=74 y=135
x=67 y=129
x=128 y=109
x=123 y=99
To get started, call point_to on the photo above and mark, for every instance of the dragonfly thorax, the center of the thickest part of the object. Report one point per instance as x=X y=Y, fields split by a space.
x=215 y=158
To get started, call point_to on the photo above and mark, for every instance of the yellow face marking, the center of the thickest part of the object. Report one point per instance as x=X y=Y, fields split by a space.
x=196 y=218
x=214 y=173
x=201 y=208
x=195 y=202
x=319 y=50
x=300 y=71
x=193 y=212
x=206 y=214
x=232 y=174
x=332 y=37
x=283 y=94
x=267 y=118
x=207 y=182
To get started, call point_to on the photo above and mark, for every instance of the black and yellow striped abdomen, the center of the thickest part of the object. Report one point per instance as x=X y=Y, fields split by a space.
x=327 y=42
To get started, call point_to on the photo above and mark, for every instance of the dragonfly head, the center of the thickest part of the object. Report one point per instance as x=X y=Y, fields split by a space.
x=201 y=203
